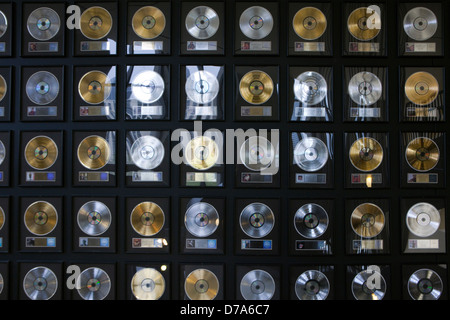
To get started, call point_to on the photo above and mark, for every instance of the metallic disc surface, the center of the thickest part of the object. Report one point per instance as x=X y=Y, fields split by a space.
x=366 y=154
x=201 y=219
x=257 y=153
x=257 y=285
x=40 y=218
x=3 y=88
x=311 y=154
x=420 y=23
x=201 y=153
x=95 y=284
x=364 y=287
x=202 y=87
x=365 y=88
x=94 y=152
x=257 y=220
x=367 y=220
x=423 y=219
x=309 y=23
x=256 y=22
x=421 y=88
x=2 y=152
x=201 y=284
x=425 y=284
x=422 y=154
x=148 y=86
x=148 y=284
x=202 y=22
x=256 y=87
x=43 y=23
x=148 y=22
x=310 y=88
x=3 y=24
x=95 y=87
x=94 y=218
x=2 y=283
x=362 y=24
x=147 y=152
x=96 y=23
x=147 y=218
x=311 y=220
x=2 y=218
x=40 y=283
x=312 y=285
x=42 y=87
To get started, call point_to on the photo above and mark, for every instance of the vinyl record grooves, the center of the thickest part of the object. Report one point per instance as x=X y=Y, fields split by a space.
x=202 y=87
x=311 y=154
x=367 y=220
x=147 y=218
x=95 y=284
x=42 y=87
x=94 y=152
x=201 y=284
x=256 y=22
x=201 y=219
x=94 y=218
x=40 y=283
x=421 y=88
x=257 y=153
x=312 y=285
x=202 y=22
x=3 y=87
x=366 y=154
x=257 y=285
x=309 y=23
x=423 y=219
x=148 y=284
x=147 y=152
x=41 y=152
x=256 y=87
x=94 y=87
x=95 y=23
x=360 y=287
x=310 y=88
x=3 y=24
x=420 y=23
x=425 y=284
x=2 y=152
x=148 y=22
x=201 y=153
x=148 y=86
x=422 y=154
x=257 y=220
x=43 y=23
x=311 y=220
x=40 y=218
x=365 y=88
x=358 y=24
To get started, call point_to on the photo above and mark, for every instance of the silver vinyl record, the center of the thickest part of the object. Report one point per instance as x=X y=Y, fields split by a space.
x=43 y=23
x=2 y=152
x=202 y=22
x=423 y=219
x=2 y=283
x=40 y=283
x=147 y=152
x=257 y=220
x=311 y=154
x=94 y=284
x=257 y=285
x=310 y=88
x=147 y=86
x=420 y=23
x=425 y=284
x=42 y=87
x=312 y=285
x=256 y=22
x=94 y=218
x=3 y=24
x=202 y=87
x=311 y=220
x=361 y=289
x=365 y=88
x=257 y=153
x=201 y=219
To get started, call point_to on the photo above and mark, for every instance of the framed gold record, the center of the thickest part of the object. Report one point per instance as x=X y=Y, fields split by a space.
x=40 y=218
x=148 y=22
x=256 y=87
x=95 y=23
x=94 y=152
x=95 y=87
x=201 y=153
x=367 y=220
x=147 y=218
x=3 y=88
x=421 y=88
x=309 y=23
x=41 y=152
x=201 y=284
x=364 y=23
x=422 y=154
x=366 y=154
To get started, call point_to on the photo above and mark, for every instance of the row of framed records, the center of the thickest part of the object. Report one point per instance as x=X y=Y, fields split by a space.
x=256 y=229
x=207 y=282
x=201 y=159
x=202 y=93
x=203 y=24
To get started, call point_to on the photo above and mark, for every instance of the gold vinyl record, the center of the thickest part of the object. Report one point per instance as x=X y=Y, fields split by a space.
x=421 y=88
x=201 y=153
x=148 y=284
x=3 y=87
x=147 y=218
x=95 y=23
x=2 y=218
x=94 y=152
x=148 y=22
x=40 y=218
x=422 y=154
x=94 y=87
x=366 y=154
x=359 y=25
x=41 y=152
x=256 y=87
x=201 y=284
x=367 y=220
x=309 y=23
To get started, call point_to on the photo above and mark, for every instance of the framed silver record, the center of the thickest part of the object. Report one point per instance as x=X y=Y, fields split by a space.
x=257 y=220
x=365 y=88
x=40 y=283
x=256 y=22
x=3 y=24
x=311 y=154
x=93 y=284
x=201 y=219
x=147 y=152
x=257 y=153
x=423 y=219
x=312 y=285
x=420 y=23
x=425 y=284
x=147 y=86
x=364 y=287
x=257 y=285
x=2 y=152
x=43 y=23
x=202 y=87
x=94 y=218
x=310 y=88
x=202 y=22
x=311 y=220
x=42 y=87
